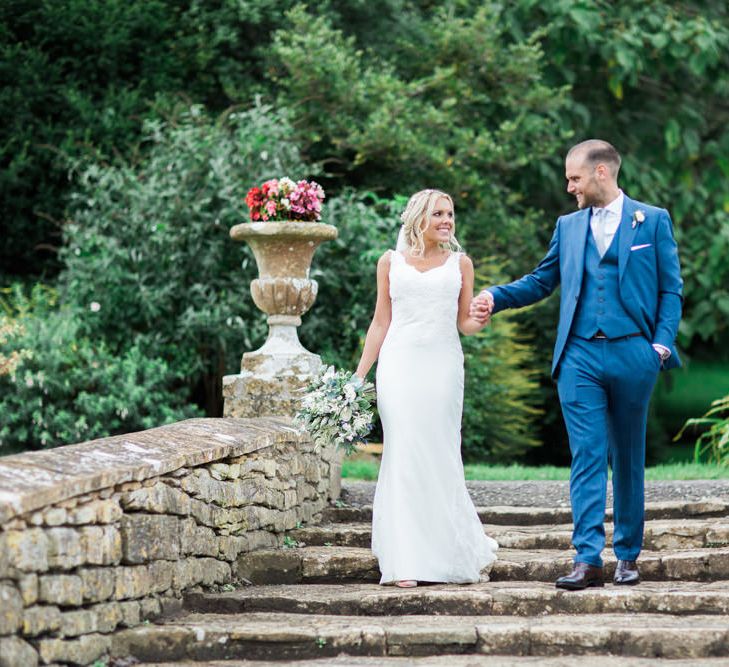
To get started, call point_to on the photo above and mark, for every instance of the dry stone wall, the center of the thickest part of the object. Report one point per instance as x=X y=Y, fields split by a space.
x=108 y=534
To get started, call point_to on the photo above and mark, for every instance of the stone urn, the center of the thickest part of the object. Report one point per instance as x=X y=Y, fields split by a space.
x=271 y=377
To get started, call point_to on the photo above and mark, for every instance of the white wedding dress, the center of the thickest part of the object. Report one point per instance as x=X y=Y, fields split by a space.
x=424 y=524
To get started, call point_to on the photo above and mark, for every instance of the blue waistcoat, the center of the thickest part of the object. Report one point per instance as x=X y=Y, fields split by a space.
x=599 y=306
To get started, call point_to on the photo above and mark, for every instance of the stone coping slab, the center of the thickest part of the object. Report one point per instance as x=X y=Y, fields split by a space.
x=492 y=598
x=33 y=480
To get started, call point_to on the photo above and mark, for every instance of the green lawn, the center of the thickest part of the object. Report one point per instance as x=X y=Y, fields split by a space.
x=367 y=470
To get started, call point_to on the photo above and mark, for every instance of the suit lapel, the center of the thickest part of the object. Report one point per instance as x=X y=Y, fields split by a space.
x=578 y=241
x=626 y=234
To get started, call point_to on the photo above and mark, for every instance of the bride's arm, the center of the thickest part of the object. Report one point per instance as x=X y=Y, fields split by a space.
x=467 y=325
x=380 y=320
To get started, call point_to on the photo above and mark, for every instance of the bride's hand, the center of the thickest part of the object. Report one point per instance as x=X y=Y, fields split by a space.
x=481 y=307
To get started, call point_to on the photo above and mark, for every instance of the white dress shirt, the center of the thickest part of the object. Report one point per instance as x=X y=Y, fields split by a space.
x=604 y=222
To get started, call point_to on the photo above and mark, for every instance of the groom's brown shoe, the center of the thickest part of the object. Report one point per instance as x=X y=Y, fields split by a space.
x=582 y=576
x=626 y=573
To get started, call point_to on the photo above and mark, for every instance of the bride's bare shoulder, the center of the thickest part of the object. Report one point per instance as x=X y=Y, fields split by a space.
x=385 y=258
x=465 y=261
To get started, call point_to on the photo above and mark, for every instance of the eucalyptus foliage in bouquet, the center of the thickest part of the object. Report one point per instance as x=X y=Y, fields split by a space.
x=337 y=407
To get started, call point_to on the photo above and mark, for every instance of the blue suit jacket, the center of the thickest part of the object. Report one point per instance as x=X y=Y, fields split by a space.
x=650 y=276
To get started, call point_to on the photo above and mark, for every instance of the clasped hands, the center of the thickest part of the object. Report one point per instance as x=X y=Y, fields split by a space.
x=481 y=307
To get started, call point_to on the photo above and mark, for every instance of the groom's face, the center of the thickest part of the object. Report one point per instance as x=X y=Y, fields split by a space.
x=582 y=182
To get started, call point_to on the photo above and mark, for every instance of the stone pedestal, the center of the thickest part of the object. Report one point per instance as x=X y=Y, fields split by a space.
x=269 y=384
x=271 y=378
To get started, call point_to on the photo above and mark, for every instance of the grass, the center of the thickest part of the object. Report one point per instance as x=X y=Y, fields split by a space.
x=354 y=469
x=367 y=470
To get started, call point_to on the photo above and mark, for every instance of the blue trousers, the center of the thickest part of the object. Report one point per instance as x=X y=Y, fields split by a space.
x=604 y=389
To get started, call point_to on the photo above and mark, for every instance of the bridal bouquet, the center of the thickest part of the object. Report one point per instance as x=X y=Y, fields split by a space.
x=337 y=407
x=283 y=200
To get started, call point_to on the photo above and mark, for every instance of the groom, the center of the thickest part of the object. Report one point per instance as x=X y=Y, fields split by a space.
x=620 y=306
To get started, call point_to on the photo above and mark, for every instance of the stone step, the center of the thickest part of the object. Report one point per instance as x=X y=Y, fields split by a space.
x=493 y=598
x=333 y=564
x=451 y=660
x=266 y=636
x=659 y=535
x=529 y=516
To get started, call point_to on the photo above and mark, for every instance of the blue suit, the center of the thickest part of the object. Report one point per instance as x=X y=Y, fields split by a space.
x=605 y=384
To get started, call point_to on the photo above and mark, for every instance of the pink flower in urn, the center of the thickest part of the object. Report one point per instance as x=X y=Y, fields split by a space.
x=270 y=188
x=284 y=199
x=318 y=190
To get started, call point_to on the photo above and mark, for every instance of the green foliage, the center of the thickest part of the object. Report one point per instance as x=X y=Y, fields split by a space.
x=345 y=271
x=149 y=242
x=358 y=469
x=473 y=102
x=291 y=543
x=65 y=387
x=81 y=76
x=712 y=445
x=470 y=104
x=74 y=74
x=501 y=401
x=388 y=96
x=653 y=78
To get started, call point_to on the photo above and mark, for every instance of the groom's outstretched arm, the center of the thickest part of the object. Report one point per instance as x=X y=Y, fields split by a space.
x=534 y=286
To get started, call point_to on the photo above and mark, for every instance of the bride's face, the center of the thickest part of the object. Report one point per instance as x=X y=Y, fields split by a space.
x=441 y=224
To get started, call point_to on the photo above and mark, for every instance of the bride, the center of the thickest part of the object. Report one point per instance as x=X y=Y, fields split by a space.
x=424 y=525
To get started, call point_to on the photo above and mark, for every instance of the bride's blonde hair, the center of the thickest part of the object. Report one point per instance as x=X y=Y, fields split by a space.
x=415 y=219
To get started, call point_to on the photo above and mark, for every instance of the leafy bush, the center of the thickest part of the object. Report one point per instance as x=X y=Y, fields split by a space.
x=467 y=114
x=345 y=270
x=61 y=387
x=712 y=445
x=153 y=279
x=148 y=256
x=83 y=75
x=502 y=397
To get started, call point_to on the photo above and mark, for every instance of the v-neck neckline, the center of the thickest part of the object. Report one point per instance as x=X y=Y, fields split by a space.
x=434 y=268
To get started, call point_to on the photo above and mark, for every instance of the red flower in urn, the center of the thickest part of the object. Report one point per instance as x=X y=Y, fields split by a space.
x=285 y=200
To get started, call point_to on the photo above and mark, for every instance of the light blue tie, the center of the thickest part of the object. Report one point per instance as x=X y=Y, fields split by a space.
x=598 y=229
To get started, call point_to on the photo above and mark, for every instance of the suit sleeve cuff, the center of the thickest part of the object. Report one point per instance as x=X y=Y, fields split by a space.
x=498 y=301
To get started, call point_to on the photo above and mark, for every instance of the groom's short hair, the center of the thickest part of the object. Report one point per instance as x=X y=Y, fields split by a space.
x=596 y=152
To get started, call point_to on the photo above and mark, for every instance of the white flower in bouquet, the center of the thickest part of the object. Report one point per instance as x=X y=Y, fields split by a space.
x=337 y=408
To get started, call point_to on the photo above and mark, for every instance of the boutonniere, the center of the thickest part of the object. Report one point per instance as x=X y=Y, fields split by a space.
x=638 y=218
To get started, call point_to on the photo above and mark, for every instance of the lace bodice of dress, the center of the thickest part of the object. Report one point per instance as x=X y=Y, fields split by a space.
x=424 y=304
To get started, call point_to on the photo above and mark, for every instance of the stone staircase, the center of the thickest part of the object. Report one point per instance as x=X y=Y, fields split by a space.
x=318 y=602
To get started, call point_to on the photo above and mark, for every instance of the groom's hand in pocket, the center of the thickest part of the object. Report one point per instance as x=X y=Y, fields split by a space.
x=481 y=307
